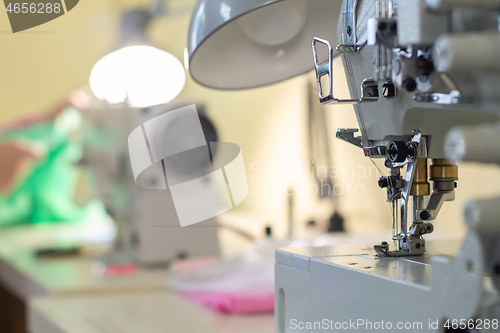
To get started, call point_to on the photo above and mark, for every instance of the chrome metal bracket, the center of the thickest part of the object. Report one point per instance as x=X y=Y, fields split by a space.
x=326 y=69
x=349 y=48
x=375 y=151
x=453 y=97
x=420 y=229
x=434 y=205
x=347 y=134
x=369 y=87
x=421 y=151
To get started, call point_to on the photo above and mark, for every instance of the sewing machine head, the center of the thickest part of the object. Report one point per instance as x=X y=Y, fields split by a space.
x=415 y=70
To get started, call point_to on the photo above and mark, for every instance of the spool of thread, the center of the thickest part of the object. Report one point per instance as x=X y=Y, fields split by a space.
x=467 y=52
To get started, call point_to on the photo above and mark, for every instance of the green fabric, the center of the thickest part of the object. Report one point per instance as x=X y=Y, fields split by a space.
x=45 y=194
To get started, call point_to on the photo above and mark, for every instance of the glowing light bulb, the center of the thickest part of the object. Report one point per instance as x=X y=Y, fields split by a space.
x=275 y=24
x=142 y=75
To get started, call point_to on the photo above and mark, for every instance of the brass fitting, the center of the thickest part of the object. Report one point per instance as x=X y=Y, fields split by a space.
x=420 y=185
x=443 y=168
x=443 y=173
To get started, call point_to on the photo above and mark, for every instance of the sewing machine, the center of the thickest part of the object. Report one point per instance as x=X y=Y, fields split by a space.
x=423 y=81
x=148 y=229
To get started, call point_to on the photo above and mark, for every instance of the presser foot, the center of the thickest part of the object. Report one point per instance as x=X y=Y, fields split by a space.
x=384 y=252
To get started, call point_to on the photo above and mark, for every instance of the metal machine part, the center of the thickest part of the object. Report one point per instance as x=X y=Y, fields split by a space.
x=369 y=90
x=443 y=173
x=414 y=88
x=411 y=154
x=420 y=186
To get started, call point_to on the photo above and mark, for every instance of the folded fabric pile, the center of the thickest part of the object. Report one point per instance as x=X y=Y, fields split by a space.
x=243 y=284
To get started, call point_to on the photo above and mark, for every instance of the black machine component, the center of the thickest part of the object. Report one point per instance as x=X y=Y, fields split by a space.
x=398 y=151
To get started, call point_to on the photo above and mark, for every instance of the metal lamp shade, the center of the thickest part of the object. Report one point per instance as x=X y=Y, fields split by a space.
x=240 y=44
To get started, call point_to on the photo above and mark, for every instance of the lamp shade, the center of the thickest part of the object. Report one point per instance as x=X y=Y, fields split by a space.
x=235 y=44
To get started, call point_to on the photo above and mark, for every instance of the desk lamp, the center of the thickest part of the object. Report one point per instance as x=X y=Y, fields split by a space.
x=234 y=44
x=137 y=73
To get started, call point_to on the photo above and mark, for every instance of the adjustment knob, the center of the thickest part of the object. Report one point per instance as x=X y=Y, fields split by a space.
x=410 y=84
x=398 y=151
x=383 y=182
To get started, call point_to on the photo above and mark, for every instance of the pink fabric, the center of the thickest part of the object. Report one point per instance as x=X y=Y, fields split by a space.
x=234 y=303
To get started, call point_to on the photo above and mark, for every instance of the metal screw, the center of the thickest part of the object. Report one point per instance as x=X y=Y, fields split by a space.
x=425 y=215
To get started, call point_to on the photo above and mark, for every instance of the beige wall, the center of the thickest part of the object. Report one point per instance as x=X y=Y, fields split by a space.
x=41 y=66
